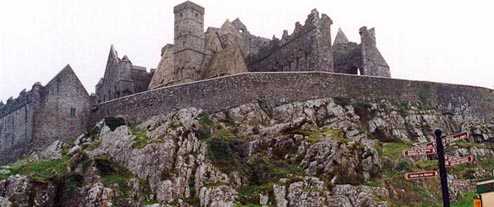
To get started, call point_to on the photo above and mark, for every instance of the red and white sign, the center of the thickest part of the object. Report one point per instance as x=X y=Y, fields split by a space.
x=420 y=175
x=453 y=161
x=428 y=149
x=457 y=137
x=419 y=152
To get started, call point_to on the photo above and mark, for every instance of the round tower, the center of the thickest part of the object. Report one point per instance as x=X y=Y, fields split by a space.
x=189 y=41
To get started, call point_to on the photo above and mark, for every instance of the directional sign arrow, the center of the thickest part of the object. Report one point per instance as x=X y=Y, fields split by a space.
x=453 y=161
x=420 y=175
x=419 y=151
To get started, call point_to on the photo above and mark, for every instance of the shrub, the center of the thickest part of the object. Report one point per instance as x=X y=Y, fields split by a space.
x=141 y=138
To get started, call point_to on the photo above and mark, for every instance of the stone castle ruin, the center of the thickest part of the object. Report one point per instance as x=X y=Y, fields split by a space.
x=232 y=49
x=215 y=70
x=57 y=111
x=121 y=78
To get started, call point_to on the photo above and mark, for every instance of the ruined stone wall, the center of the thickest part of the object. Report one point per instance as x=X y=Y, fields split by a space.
x=277 y=88
x=121 y=78
x=308 y=48
x=16 y=121
x=373 y=63
x=63 y=111
x=141 y=78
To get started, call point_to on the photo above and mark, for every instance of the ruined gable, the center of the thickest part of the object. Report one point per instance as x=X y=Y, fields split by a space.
x=121 y=78
x=57 y=111
x=63 y=110
x=340 y=38
x=227 y=57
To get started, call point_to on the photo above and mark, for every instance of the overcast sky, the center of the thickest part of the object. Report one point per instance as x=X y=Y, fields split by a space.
x=437 y=40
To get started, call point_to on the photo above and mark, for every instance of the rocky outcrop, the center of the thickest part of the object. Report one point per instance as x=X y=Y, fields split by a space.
x=25 y=192
x=325 y=152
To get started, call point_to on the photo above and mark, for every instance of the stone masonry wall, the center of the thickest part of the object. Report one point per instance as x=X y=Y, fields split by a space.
x=63 y=112
x=308 y=48
x=277 y=88
x=16 y=132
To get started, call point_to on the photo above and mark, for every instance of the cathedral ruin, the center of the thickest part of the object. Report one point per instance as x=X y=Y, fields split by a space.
x=62 y=109
x=231 y=49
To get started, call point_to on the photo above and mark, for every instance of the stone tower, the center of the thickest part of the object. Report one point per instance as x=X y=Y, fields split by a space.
x=373 y=63
x=189 y=41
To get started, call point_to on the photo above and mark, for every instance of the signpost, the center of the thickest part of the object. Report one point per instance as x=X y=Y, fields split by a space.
x=437 y=147
x=420 y=175
x=442 y=167
x=430 y=148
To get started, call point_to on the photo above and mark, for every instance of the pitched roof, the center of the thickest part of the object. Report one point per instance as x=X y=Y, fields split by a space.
x=340 y=38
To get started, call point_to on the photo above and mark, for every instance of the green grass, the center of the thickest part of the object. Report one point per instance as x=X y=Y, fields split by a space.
x=42 y=170
x=141 y=138
x=426 y=164
x=394 y=150
x=465 y=201
x=319 y=134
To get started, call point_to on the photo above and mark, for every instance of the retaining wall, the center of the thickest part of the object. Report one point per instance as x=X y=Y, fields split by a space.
x=277 y=88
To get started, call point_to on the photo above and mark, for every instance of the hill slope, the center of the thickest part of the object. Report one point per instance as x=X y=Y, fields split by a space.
x=325 y=152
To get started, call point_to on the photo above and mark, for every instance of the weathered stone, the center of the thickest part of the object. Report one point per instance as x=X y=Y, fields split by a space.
x=22 y=191
x=28 y=123
x=121 y=78
x=52 y=152
x=373 y=62
x=164 y=73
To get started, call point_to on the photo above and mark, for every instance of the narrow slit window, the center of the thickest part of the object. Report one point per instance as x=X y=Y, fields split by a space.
x=72 y=112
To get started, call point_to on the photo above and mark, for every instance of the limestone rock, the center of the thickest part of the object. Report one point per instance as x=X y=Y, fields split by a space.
x=4 y=202
x=348 y=195
x=97 y=195
x=217 y=196
x=24 y=192
x=53 y=151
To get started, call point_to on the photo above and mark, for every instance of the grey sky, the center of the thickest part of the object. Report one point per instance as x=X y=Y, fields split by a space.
x=438 y=40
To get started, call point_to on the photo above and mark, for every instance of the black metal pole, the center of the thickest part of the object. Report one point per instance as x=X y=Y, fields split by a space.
x=442 y=167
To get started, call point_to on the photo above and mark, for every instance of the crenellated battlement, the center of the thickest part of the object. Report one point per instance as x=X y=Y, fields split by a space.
x=23 y=99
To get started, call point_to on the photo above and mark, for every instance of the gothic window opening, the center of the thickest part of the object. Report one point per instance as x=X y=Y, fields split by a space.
x=72 y=112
